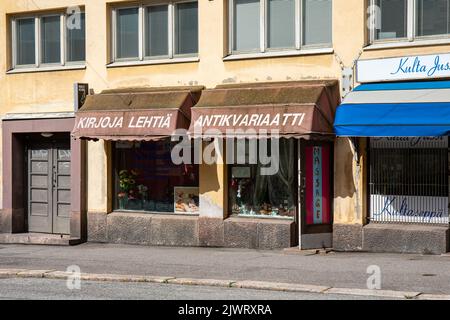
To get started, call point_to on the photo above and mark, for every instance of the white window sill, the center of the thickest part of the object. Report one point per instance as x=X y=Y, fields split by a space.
x=407 y=44
x=46 y=69
x=276 y=54
x=260 y=216
x=143 y=212
x=152 y=62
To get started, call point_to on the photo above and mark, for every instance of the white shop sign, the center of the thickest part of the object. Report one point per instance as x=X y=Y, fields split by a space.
x=403 y=68
x=396 y=208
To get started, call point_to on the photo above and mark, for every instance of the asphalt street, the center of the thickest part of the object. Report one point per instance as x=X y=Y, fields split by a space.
x=48 y=289
x=402 y=272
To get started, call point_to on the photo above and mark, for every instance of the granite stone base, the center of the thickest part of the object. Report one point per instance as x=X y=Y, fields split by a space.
x=211 y=232
x=180 y=231
x=97 y=229
x=347 y=237
x=259 y=233
x=401 y=238
x=192 y=231
x=129 y=228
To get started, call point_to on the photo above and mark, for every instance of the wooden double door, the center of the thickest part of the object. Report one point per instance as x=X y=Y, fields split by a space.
x=48 y=187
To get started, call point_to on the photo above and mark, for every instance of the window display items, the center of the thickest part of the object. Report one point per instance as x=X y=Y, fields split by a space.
x=255 y=195
x=127 y=181
x=146 y=178
x=186 y=200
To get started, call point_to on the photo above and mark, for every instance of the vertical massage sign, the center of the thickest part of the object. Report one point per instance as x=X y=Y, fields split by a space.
x=317 y=185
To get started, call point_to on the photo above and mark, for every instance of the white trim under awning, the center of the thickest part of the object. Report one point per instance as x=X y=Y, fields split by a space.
x=44 y=115
x=398 y=96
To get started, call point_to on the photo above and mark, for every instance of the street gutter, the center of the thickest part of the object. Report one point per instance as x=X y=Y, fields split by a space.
x=243 y=284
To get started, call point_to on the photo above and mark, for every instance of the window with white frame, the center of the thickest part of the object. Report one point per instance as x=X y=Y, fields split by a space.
x=161 y=31
x=408 y=20
x=48 y=40
x=273 y=25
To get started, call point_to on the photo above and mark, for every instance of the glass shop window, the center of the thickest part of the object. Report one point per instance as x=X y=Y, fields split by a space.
x=409 y=172
x=254 y=194
x=146 y=179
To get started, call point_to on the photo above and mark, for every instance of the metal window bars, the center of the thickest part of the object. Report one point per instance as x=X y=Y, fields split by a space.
x=408 y=180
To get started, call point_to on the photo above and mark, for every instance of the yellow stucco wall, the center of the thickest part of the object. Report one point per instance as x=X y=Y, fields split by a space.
x=52 y=91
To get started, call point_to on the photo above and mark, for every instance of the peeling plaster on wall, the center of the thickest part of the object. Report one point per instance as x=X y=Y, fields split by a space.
x=58 y=106
x=209 y=209
x=229 y=80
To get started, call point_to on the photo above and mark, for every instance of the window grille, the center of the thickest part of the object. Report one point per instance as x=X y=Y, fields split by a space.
x=408 y=180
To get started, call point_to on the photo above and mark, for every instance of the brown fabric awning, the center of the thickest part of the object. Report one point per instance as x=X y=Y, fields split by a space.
x=296 y=109
x=136 y=113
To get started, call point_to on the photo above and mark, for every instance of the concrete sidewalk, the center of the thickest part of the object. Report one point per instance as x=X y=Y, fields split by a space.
x=243 y=268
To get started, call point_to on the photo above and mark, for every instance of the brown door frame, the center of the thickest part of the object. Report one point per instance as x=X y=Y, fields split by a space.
x=305 y=229
x=13 y=213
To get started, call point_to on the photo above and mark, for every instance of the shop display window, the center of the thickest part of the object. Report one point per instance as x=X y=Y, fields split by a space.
x=409 y=172
x=146 y=179
x=252 y=194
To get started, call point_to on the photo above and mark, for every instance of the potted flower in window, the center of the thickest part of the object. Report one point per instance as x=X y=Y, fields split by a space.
x=122 y=197
x=143 y=194
x=126 y=185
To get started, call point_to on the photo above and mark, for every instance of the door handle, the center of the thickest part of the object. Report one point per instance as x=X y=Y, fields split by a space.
x=302 y=185
x=55 y=176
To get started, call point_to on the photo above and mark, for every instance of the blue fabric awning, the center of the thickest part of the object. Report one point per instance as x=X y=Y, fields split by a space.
x=404 y=109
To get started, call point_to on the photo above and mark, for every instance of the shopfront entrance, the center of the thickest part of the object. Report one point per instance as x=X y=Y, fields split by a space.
x=408 y=180
x=298 y=116
x=405 y=126
x=44 y=195
x=316 y=194
x=48 y=186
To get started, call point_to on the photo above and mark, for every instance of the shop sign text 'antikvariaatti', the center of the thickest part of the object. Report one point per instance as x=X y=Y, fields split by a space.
x=250 y=120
